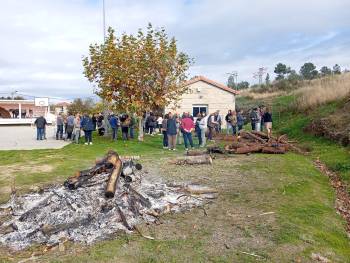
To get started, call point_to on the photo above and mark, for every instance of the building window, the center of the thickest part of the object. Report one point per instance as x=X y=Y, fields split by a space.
x=199 y=109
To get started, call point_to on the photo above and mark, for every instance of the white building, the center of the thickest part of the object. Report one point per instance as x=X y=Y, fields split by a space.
x=205 y=95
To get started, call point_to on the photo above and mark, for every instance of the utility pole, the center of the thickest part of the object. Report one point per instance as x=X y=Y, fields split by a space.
x=260 y=74
x=105 y=107
x=104 y=19
x=234 y=74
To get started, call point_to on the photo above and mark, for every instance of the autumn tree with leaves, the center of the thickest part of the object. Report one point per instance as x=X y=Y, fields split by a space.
x=138 y=73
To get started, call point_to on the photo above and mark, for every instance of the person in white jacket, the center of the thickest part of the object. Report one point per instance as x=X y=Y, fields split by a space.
x=203 y=126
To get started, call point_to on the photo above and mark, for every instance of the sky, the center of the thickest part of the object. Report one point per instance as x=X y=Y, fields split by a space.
x=43 y=41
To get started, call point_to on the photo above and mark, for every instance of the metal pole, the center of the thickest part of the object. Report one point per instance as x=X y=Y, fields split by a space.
x=104 y=21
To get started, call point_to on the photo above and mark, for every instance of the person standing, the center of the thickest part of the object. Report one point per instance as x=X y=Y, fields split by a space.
x=164 y=131
x=40 y=124
x=114 y=121
x=261 y=112
x=94 y=120
x=178 y=130
x=87 y=126
x=234 y=122
x=211 y=126
x=187 y=126
x=218 y=121
x=268 y=122
x=171 y=131
x=258 y=120
x=125 y=123
x=240 y=120
x=77 y=127
x=253 y=117
x=159 y=123
x=203 y=127
x=59 y=123
x=64 y=126
x=198 y=129
x=70 y=126
x=228 y=119
x=133 y=122
x=99 y=123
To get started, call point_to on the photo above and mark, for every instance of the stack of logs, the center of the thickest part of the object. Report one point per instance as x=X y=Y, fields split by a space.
x=255 y=142
x=112 y=165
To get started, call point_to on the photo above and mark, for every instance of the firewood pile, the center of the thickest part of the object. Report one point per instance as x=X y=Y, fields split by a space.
x=255 y=142
x=115 y=195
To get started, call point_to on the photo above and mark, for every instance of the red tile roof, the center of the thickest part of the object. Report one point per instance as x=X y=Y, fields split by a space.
x=211 y=82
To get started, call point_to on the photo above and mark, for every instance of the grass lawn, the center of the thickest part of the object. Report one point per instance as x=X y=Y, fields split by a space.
x=297 y=198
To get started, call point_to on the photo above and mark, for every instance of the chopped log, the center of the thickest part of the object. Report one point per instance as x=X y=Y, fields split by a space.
x=81 y=177
x=249 y=149
x=274 y=150
x=260 y=134
x=196 y=152
x=248 y=135
x=194 y=160
x=113 y=178
x=195 y=189
x=236 y=145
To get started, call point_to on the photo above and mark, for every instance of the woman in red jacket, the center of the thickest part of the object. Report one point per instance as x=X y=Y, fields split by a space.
x=187 y=125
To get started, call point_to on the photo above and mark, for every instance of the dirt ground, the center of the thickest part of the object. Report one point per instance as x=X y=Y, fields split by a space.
x=253 y=219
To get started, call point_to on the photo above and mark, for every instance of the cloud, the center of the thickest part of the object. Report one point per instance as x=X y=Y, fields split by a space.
x=43 y=41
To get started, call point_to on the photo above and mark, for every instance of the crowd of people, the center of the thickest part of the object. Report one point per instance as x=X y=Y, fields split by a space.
x=176 y=129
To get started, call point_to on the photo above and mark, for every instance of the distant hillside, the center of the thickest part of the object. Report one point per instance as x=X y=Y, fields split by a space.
x=309 y=98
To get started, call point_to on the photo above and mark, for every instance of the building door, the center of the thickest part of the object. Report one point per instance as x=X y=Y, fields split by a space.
x=199 y=109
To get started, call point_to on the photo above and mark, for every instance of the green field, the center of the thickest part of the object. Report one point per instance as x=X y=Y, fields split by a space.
x=297 y=198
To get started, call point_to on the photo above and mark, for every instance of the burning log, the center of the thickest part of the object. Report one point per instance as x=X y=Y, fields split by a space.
x=81 y=177
x=113 y=178
x=193 y=160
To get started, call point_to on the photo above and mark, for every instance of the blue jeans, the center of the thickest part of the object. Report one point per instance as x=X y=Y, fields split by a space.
x=187 y=139
x=199 y=135
x=88 y=136
x=59 y=132
x=115 y=133
x=39 y=133
x=131 y=132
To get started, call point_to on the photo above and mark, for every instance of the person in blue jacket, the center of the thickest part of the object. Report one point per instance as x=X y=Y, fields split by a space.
x=88 y=126
x=114 y=122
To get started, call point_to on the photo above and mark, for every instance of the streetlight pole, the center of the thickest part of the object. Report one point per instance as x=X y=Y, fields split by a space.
x=104 y=19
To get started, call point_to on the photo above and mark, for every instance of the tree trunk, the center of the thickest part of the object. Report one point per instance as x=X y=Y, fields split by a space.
x=249 y=149
x=274 y=150
x=140 y=136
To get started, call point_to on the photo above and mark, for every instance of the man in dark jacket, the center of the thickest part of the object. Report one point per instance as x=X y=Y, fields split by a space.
x=171 y=131
x=88 y=126
x=40 y=124
x=114 y=122
x=59 y=123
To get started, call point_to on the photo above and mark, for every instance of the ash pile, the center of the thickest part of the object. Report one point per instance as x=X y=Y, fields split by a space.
x=95 y=204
